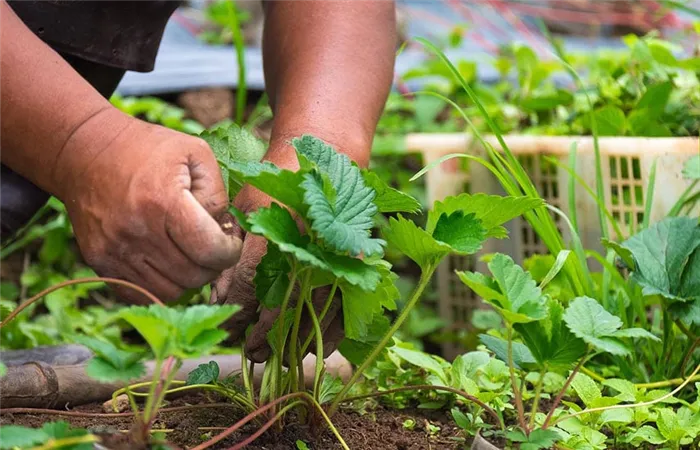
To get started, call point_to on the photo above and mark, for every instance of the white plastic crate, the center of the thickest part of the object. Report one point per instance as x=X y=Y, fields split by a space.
x=626 y=164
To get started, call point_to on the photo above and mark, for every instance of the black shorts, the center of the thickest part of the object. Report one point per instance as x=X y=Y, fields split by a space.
x=101 y=40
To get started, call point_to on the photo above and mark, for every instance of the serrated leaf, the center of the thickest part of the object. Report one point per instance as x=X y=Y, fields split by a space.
x=588 y=320
x=512 y=291
x=537 y=440
x=586 y=389
x=422 y=360
x=691 y=169
x=330 y=387
x=344 y=222
x=492 y=210
x=361 y=306
x=637 y=333
x=281 y=184
x=233 y=144
x=465 y=367
x=271 y=277
x=343 y=225
x=204 y=374
x=550 y=341
x=388 y=199
x=522 y=356
x=415 y=243
x=627 y=391
x=181 y=333
x=464 y=234
x=667 y=259
x=277 y=225
x=645 y=433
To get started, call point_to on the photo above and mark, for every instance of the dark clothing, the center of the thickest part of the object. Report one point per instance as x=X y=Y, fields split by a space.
x=100 y=40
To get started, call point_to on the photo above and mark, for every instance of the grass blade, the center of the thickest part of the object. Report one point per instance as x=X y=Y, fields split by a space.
x=650 y=196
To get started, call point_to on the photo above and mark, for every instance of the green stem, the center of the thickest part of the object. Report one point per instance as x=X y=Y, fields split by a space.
x=324 y=311
x=514 y=385
x=294 y=338
x=538 y=393
x=161 y=389
x=67 y=442
x=151 y=391
x=276 y=390
x=559 y=397
x=319 y=346
x=422 y=283
x=239 y=43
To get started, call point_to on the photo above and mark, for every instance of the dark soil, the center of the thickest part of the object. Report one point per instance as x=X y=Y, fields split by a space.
x=380 y=429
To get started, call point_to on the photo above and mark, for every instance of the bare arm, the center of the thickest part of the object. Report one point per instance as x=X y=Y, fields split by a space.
x=328 y=70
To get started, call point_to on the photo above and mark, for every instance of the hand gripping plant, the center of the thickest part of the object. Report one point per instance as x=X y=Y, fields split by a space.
x=336 y=204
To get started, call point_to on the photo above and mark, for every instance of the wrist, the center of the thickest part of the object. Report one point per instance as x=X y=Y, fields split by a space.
x=85 y=146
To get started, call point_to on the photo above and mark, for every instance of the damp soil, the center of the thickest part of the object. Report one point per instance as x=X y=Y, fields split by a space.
x=379 y=429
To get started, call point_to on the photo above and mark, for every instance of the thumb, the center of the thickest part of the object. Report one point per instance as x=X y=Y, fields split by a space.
x=199 y=236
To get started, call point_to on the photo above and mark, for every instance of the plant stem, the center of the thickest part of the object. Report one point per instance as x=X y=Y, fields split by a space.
x=69 y=441
x=324 y=311
x=247 y=378
x=561 y=394
x=58 y=412
x=538 y=393
x=422 y=283
x=276 y=390
x=151 y=392
x=319 y=346
x=238 y=42
x=294 y=338
x=266 y=426
x=633 y=405
x=66 y=283
x=425 y=387
x=514 y=385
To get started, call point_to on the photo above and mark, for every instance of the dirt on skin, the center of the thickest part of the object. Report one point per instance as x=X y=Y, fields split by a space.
x=380 y=429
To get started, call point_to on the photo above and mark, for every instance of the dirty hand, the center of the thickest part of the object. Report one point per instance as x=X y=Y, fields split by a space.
x=144 y=205
x=236 y=286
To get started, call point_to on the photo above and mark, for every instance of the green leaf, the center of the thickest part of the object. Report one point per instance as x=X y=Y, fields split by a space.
x=110 y=363
x=344 y=222
x=422 y=360
x=636 y=333
x=464 y=234
x=588 y=320
x=627 y=390
x=272 y=277
x=281 y=184
x=492 y=210
x=556 y=267
x=361 y=306
x=537 y=440
x=415 y=243
x=610 y=121
x=233 y=144
x=184 y=333
x=586 y=389
x=204 y=374
x=512 y=291
x=460 y=418
x=691 y=169
x=301 y=445
x=669 y=425
x=330 y=387
x=645 y=433
x=280 y=329
x=666 y=258
x=15 y=436
x=550 y=341
x=522 y=356
x=624 y=253
x=278 y=226
x=548 y=101
x=656 y=98
x=388 y=199
x=357 y=351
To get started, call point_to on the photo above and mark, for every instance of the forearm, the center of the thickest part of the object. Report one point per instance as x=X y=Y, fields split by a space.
x=328 y=71
x=44 y=106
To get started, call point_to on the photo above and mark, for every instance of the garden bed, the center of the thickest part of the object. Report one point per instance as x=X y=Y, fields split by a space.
x=379 y=429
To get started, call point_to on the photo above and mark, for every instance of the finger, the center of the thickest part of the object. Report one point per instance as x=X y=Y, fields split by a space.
x=156 y=282
x=174 y=265
x=236 y=286
x=199 y=236
x=257 y=349
x=207 y=186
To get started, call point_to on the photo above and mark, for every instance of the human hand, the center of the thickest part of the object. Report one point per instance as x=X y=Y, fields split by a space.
x=145 y=204
x=236 y=286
